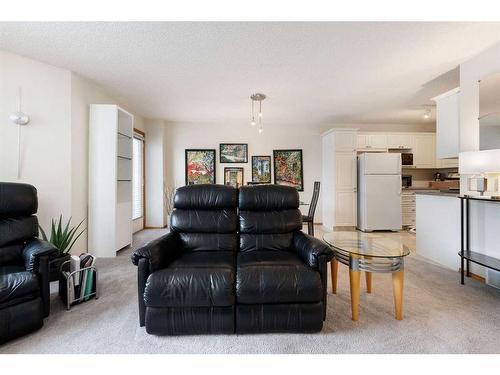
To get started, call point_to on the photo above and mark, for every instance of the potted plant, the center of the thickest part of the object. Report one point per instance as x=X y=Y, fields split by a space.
x=63 y=240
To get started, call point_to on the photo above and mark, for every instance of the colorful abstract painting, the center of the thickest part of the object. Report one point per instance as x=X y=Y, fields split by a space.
x=234 y=153
x=200 y=167
x=261 y=169
x=233 y=176
x=288 y=168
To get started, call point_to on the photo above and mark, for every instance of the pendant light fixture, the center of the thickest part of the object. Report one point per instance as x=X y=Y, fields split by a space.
x=257 y=97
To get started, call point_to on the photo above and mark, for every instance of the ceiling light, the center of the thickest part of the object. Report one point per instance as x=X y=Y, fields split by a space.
x=427 y=114
x=257 y=97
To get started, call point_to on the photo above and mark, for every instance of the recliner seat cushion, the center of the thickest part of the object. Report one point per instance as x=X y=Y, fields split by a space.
x=275 y=277
x=201 y=278
x=17 y=284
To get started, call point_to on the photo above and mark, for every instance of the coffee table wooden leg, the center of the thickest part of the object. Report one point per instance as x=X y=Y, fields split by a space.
x=334 y=267
x=368 y=276
x=354 y=278
x=397 y=285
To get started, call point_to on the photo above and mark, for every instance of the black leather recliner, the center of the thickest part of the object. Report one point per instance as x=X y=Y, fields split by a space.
x=200 y=279
x=186 y=278
x=281 y=272
x=24 y=263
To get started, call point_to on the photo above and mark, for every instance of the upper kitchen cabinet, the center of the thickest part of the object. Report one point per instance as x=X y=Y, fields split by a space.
x=447 y=124
x=400 y=141
x=372 y=141
x=424 y=152
x=489 y=112
x=345 y=140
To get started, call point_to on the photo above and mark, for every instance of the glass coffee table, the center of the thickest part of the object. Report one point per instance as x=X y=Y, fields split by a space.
x=369 y=253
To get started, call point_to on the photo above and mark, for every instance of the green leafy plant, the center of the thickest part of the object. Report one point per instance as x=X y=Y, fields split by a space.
x=63 y=239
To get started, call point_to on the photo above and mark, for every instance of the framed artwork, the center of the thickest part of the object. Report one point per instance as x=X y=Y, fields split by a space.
x=288 y=168
x=200 y=166
x=261 y=169
x=233 y=153
x=233 y=176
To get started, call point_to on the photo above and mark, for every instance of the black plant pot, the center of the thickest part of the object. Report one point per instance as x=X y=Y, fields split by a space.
x=55 y=266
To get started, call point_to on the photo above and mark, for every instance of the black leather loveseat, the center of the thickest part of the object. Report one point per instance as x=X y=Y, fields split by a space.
x=24 y=263
x=234 y=261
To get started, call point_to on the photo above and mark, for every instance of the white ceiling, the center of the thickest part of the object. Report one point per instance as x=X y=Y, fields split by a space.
x=315 y=74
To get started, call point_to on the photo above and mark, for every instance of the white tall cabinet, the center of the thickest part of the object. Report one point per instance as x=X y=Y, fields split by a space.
x=448 y=123
x=110 y=179
x=339 y=178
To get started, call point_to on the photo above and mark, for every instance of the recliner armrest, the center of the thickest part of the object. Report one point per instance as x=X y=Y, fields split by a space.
x=310 y=249
x=36 y=249
x=158 y=252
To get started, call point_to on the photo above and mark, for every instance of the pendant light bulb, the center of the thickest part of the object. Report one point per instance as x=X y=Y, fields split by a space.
x=252 y=123
x=260 y=130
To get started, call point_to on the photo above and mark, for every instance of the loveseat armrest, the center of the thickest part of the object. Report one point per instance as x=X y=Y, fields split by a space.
x=310 y=249
x=158 y=252
x=36 y=249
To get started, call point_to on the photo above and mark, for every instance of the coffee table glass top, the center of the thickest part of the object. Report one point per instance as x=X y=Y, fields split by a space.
x=366 y=244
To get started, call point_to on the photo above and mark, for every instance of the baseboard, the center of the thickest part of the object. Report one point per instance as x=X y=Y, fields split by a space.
x=475 y=277
x=148 y=227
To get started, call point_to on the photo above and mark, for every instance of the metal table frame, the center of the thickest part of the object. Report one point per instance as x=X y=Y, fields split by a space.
x=369 y=264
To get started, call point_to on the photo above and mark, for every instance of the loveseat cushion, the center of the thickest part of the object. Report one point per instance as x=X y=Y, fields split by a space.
x=201 y=278
x=16 y=282
x=275 y=277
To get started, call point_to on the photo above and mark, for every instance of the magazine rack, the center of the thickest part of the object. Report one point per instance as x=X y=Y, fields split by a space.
x=71 y=294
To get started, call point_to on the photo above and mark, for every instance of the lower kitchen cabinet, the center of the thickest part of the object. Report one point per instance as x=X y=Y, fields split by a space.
x=345 y=208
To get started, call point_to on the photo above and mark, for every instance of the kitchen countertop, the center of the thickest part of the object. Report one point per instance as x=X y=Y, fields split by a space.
x=443 y=193
x=419 y=188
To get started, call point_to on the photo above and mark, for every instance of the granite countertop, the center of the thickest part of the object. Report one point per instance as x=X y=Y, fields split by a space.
x=442 y=193
x=419 y=188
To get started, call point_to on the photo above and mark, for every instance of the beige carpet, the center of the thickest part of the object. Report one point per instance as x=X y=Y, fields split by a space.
x=441 y=316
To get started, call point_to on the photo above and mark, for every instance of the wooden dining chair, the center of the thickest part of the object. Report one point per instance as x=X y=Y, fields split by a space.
x=309 y=219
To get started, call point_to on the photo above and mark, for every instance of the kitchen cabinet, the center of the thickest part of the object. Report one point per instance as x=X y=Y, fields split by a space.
x=400 y=141
x=408 y=207
x=345 y=208
x=447 y=124
x=372 y=141
x=339 y=178
x=447 y=163
x=424 y=152
x=346 y=171
x=345 y=140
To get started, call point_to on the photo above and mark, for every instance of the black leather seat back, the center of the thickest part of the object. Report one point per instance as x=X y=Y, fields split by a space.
x=18 y=203
x=268 y=216
x=205 y=217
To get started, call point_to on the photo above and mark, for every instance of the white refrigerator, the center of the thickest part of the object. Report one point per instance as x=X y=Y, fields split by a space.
x=379 y=192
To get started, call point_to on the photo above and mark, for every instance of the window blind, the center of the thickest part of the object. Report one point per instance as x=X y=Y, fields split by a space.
x=137 y=177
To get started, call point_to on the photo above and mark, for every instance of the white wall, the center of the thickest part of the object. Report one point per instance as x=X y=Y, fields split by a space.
x=155 y=173
x=55 y=143
x=46 y=141
x=471 y=71
x=180 y=136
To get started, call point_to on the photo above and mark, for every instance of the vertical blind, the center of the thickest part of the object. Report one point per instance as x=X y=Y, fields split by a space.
x=137 y=177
